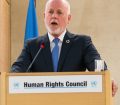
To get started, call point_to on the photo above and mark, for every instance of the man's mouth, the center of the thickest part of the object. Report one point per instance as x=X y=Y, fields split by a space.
x=54 y=23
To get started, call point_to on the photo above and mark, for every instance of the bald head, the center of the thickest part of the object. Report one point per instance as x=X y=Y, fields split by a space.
x=64 y=2
x=57 y=16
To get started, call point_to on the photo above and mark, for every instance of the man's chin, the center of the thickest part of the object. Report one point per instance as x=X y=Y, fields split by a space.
x=56 y=32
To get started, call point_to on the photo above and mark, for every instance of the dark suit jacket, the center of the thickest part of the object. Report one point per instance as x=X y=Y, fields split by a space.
x=77 y=55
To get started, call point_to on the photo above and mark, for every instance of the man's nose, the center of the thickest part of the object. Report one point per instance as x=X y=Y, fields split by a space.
x=54 y=15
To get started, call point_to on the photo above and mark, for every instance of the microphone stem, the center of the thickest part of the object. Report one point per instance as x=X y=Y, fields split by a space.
x=33 y=60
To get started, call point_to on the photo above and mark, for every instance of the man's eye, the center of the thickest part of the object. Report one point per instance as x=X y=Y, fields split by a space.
x=51 y=12
x=59 y=12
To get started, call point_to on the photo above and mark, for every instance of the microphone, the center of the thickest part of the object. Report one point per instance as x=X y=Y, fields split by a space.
x=42 y=46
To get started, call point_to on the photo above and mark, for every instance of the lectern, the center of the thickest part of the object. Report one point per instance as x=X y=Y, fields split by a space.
x=61 y=88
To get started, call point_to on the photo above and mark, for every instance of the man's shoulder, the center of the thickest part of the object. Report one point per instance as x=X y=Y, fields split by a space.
x=37 y=39
x=79 y=36
x=35 y=42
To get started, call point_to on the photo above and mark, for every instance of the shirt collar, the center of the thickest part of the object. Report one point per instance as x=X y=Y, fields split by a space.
x=60 y=37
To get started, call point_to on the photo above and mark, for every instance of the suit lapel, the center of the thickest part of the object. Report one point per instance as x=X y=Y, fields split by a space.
x=66 y=45
x=47 y=54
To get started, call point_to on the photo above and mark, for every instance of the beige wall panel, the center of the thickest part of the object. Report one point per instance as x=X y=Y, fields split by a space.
x=98 y=18
x=40 y=4
x=4 y=35
x=18 y=21
x=101 y=20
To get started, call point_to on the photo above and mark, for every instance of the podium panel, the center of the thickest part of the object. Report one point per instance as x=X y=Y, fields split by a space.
x=0 y=88
x=62 y=98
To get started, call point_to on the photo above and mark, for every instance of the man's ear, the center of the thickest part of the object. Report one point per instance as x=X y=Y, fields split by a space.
x=69 y=18
x=44 y=14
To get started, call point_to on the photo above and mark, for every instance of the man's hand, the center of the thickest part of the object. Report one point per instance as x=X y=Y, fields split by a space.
x=114 y=88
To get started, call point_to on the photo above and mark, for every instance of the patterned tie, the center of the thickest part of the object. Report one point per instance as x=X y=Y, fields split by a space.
x=55 y=54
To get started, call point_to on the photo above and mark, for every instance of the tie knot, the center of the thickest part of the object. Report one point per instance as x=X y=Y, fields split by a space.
x=56 y=40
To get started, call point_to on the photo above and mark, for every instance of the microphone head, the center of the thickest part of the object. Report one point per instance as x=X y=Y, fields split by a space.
x=42 y=45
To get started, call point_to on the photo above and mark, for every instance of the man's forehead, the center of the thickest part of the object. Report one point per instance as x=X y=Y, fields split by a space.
x=55 y=9
x=56 y=3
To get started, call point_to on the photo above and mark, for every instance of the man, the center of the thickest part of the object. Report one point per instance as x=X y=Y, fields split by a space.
x=61 y=50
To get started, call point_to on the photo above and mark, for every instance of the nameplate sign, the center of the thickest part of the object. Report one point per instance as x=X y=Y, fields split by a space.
x=55 y=84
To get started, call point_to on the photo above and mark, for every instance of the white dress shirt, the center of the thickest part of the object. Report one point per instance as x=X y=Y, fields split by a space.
x=52 y=44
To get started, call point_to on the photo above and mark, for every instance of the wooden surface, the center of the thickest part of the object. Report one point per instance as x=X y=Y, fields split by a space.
x=0 y=88
x=3 y=89
x=108 y=85
x=60 y=98
x=5 y=37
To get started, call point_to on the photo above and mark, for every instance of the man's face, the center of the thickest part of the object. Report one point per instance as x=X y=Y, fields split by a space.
x=56 y=17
